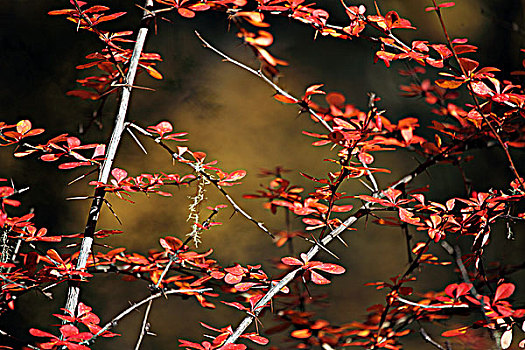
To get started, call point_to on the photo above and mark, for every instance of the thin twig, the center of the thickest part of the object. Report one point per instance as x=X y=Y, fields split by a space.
x=429 y=340
x=7 y=335
x=406 y=233
x=145 y=325
x=259 y=74
x=423 y=306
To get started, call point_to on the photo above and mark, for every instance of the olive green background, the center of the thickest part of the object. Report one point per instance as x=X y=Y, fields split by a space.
x=232 y=117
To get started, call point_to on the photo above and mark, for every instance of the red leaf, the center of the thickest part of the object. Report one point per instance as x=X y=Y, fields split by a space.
x=72 y=165
x=443 y=5
x=119 y=174
x=96 y=8
x=68 y=330
x=480 y=88
x=244 y=286
x=313 y=89
x=61 y=12
x=310 y=221
x=504 y=291
x=39 y=333
x=342 y=208
x=336 y=99
x=191 y=345
x=170 y=243
x=161 y=128
x=331 y=268
x=408 y=217
x=256 y=338
x=291 y=261
x=231 y=346
x=100 y=150
x=53 y=255
x=468 y=64
x=236 y=175
x=200 y=7
x=318 y=279
x=199 y=156
x=110 y=17
x=49 y=157
x=6 y=191
x=235 y=305
x=232 y=279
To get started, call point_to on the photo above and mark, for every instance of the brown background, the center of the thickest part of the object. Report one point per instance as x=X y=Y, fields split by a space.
x=231 y=115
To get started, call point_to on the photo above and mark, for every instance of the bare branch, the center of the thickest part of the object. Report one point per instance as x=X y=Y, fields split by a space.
x=114 y=321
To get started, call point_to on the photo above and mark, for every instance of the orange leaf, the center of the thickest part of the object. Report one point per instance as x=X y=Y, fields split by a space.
x=448 y=84
x=284 y=99
x=23 y=126
x=455 y=332
x=186 y=13
x=302 y=333
x=153 y=72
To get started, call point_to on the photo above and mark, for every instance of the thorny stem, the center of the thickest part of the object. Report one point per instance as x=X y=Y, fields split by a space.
x=207 y=176
x=478 y=107
x=114 y=321
x=94 y=212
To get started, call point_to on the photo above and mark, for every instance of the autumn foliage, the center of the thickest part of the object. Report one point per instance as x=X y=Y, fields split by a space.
x=35 y=260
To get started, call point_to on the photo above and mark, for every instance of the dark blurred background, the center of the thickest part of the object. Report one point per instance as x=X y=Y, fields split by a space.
x=232 y=116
